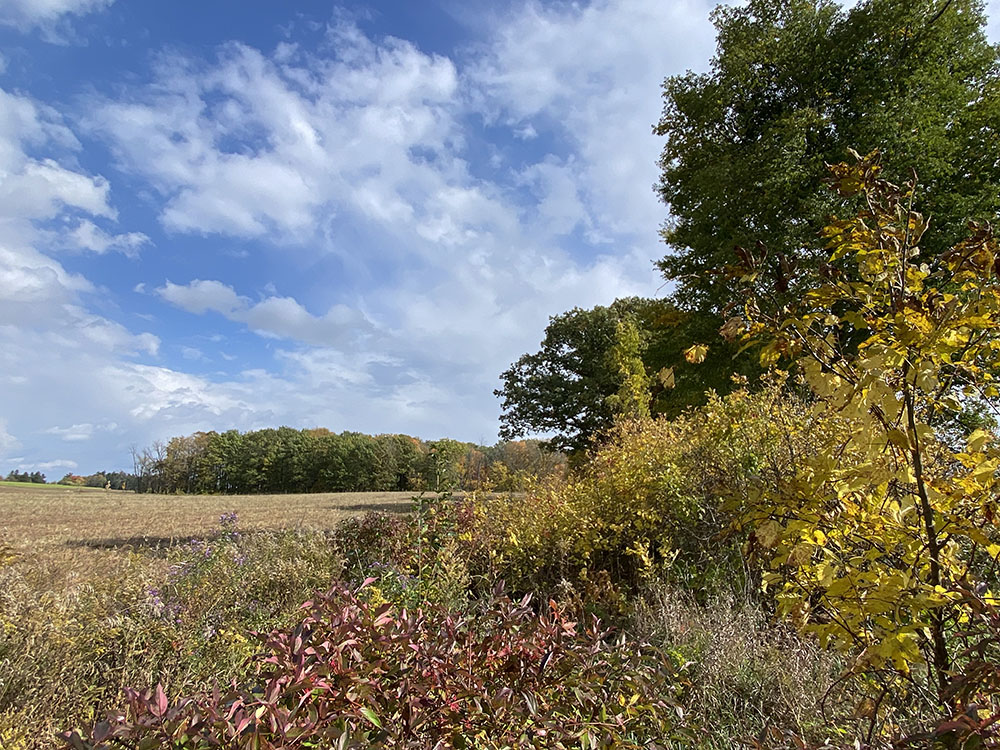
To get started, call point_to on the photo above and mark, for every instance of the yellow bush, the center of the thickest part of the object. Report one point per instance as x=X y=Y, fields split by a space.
x=649 y=501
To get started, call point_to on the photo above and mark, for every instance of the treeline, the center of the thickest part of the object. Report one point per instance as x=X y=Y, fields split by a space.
x=35 y=477
x=112 y=480
x=286 y=460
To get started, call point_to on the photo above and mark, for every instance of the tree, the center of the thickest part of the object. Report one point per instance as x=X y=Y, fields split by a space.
x=876 y=540
x=633 y=396
x=443 y=470
x=564 y=388
x=793 y=85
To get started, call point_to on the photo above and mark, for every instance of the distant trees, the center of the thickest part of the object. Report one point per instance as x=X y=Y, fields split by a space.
x=113 y=480
x=35 y=477
x=285 y=460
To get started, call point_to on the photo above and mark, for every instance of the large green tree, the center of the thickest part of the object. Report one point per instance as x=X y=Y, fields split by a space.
x=568 y=388
x=793 y=85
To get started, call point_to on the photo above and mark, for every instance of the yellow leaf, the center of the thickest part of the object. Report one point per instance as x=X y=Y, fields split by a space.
x=977 y=440
x=696 y=354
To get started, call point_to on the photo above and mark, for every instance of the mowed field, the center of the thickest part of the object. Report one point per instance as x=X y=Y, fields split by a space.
x=33 y=517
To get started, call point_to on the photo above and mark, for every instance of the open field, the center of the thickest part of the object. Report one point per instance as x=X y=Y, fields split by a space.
x=80 y=575
x=55 y=487
x=37 y=516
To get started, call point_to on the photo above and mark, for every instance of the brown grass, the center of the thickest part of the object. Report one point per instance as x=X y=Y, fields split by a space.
x=82 y=517
x=71 y=534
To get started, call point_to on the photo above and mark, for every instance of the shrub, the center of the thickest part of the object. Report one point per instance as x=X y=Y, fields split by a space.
x=649 y=502
x=411 y=561
x=353 y=675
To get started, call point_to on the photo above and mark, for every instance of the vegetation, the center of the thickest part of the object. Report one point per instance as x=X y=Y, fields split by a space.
x=35 y=477
x=317 y=460
x=794 y=84
x=882 y=540
x=568 y=387
x=802 y=553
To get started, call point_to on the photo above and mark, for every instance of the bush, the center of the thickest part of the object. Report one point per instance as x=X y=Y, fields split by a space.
x=353 y=675
x=650 y=501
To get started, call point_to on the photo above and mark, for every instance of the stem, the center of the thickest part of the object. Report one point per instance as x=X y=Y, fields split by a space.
x=942 y=664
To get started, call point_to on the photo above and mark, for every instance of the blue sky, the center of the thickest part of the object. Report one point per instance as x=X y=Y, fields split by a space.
x=249 y=214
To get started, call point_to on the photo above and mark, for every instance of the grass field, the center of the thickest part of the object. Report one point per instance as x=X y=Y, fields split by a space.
x=39 y=516
x=59 y=537
x=77 y=565
x=56 y=487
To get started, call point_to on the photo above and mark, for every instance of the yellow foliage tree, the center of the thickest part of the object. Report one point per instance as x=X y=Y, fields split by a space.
x=870 y=541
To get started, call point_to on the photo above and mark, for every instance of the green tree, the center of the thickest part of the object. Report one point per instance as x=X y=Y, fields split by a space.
x=633 y=396
x=444 y=464
x=564 y=388
x=793 y=85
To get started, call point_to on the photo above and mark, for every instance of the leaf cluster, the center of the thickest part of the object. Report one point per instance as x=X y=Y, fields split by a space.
x=352 y=675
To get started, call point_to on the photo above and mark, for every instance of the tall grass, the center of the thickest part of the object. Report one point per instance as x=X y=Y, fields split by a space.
x=70 y=644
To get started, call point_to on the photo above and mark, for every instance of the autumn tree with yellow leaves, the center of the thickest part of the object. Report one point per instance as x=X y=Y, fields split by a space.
x=878 y=542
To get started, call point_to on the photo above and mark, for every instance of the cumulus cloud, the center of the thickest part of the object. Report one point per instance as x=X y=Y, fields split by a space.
x=315 y=135
x=46 y=201
x=273 y=316
x=80 y=432
x=86 y=235
x=601 y=103
x=200 y=296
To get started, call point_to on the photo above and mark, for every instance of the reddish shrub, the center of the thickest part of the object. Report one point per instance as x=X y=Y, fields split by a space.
x=353 y=675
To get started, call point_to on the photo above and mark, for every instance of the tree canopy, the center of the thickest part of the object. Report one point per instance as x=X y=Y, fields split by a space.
x=793 y=85
x=572 y=386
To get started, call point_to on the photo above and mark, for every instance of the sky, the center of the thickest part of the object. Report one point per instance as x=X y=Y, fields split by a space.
x=244 y=214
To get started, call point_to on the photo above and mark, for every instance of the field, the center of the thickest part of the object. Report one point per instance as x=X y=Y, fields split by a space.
x=78 y=619
x=39 y=517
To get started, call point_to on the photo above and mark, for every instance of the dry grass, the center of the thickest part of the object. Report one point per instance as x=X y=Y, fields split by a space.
x=82 y=517
x=62 y=536
x=77 y=623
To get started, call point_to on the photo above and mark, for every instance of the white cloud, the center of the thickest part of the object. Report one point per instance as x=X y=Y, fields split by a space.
x=201 y=296
x=80 y=432
x=273 y=316
x=45 y=202
x=317 y=134
x=8 y=443
x=192 y=353
x=86 y=235
x=33 y=189
x=25 y=14
x=59 y=463
x=593 y=74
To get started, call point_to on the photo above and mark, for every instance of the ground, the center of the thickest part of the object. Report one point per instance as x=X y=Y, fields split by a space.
x=81 y=527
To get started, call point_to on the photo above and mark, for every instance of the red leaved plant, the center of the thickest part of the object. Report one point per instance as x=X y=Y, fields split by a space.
x=353 y=675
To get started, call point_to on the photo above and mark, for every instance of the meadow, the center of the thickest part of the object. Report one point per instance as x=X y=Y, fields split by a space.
x=56 y=516
x=79 y=568
x=557 y=617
